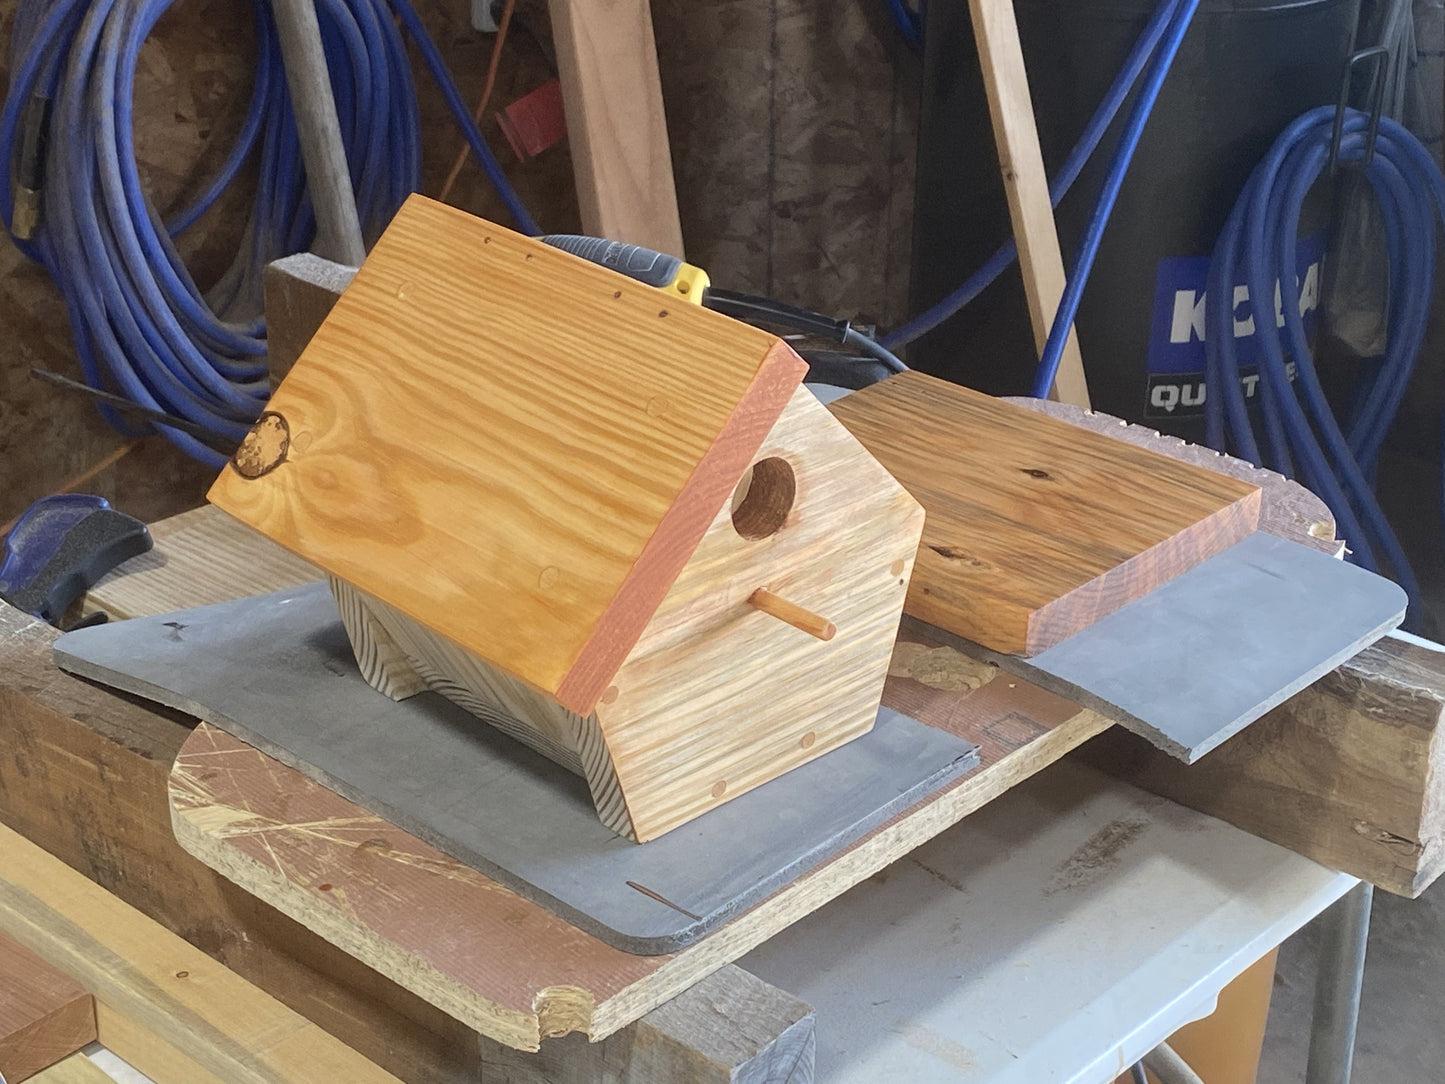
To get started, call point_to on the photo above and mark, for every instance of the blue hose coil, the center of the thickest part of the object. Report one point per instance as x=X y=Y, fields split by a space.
x=141 y=325
x=1257 y=244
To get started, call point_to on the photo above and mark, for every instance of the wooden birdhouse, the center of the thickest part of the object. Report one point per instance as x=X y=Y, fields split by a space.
x=607 y=521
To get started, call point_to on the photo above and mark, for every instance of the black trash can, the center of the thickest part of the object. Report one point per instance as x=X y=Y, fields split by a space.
x=1246 y=69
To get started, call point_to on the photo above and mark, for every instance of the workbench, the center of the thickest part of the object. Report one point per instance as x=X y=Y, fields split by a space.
x=88 y=781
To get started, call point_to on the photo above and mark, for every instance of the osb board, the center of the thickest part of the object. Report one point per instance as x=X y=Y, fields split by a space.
x=476 y=392
x=512 y=969
x=792 y=125
x=1036 y=528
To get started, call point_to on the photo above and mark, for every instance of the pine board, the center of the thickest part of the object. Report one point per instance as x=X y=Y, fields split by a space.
x=45 y=1015
x=1036 y=528
x=160 y=1002
x=516 y=448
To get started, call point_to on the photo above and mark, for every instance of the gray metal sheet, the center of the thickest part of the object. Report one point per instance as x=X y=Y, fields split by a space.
x=1196 y=660
x=277 y=671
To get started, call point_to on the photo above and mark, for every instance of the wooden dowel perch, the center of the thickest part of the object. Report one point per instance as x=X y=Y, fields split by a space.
x=806 y=620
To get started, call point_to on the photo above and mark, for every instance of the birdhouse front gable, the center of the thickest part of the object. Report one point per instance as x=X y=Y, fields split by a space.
x=510 y=446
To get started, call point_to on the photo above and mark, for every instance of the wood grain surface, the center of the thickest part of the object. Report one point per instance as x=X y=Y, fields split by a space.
x=716 y=698
x=45 y=1015
x=511 y=446
x=1036 y=528
x=76 y=1069
x=149 y=982
x=510 y=968
x=616 y=127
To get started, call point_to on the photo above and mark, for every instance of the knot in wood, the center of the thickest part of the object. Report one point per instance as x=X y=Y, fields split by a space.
x=264 y=448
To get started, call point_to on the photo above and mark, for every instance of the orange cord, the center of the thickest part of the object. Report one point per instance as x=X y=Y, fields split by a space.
x=84 y=476
x=506 y=21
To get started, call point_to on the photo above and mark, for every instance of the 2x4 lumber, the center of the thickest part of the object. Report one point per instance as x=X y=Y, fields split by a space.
x=299 y=292
x=996 y=33
x=45 y=1015
x=616 y=126
x=76 y=1069
x=730 y=1028
x=1350 y=772
x=148 y=982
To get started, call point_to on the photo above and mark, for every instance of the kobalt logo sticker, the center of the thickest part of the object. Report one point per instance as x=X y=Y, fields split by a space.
x=1176 y=360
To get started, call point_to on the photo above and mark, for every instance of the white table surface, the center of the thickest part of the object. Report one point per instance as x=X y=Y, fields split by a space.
x=1058 y=934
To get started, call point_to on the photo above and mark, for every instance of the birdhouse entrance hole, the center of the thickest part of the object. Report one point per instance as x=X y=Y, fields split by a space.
x=763 y=498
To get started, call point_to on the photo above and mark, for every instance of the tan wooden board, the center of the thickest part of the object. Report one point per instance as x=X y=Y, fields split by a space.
x=1001 y=56
x=199 y=555
x=616 y=127
x=154 y=991
x=1036 y=528
x=76 y=1069
x=516 y=448
x=512 y=969
x=45 y=1015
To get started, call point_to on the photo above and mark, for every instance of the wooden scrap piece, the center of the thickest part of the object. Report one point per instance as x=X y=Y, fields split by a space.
x=45 y=1015
x=513 y=447
x=1036 y=528
x=76 y=1069
x=162 y=1005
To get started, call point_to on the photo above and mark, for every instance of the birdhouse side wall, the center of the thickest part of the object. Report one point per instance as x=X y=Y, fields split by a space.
x=717 y=697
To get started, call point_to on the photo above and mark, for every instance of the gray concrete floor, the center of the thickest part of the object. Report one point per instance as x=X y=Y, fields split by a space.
x=1401 y=1038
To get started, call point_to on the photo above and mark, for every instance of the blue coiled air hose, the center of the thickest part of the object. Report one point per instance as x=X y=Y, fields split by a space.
x=1139 y=56
x=141 y=325
x=1258 y=246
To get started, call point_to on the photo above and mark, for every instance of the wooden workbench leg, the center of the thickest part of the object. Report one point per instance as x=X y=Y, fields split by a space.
x=731 y=1028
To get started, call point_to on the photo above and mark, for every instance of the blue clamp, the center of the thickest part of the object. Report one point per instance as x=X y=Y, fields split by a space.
x=60 y=547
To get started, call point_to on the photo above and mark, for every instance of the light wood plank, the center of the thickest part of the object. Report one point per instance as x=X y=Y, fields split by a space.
x=147 y=981
x=76 y=1069
x=45 y=1015
x=511 y=446
x=996 y=33
x=203 y=556
x=616 y=127
x=1036 y=528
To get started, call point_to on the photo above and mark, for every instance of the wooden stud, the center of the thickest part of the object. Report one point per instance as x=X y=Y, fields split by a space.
x=791 y=613
x=616 y=128
x=996 y=33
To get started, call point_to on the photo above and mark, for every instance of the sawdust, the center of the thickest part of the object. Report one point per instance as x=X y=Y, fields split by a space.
x=940 y=668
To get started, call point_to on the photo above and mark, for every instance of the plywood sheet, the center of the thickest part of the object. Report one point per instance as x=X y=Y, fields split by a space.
x=1036 y=528
x=514 y=447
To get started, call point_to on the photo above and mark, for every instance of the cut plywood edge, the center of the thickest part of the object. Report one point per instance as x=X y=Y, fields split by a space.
x=1036 y=528
x=475 y=391
x=155 y=984
x=510 y=968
